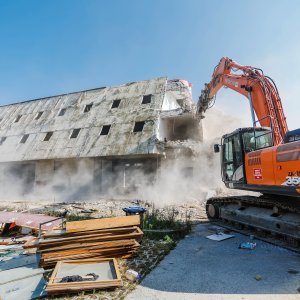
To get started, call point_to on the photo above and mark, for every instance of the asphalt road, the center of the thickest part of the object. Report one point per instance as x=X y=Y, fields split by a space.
x=199 y=268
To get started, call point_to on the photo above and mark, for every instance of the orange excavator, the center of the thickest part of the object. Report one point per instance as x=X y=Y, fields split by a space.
x=264 y=158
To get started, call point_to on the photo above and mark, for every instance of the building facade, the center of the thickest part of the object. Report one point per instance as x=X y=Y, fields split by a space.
x=89 y=142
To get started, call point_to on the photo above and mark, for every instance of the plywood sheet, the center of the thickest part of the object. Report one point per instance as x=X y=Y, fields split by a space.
x=104 y=223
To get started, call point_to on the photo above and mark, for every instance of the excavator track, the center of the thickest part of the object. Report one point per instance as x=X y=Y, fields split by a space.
x=274 y=220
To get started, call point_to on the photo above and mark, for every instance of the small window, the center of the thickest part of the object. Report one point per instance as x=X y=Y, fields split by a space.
x=2 y=140
x=88 y=107
x=18 y=118
x=146 y=99
x=105 y=130
x=39 y=115
x=75 y=133
x=62 y=112
x=138 y=126
x=24 y=138
x=116 y=103
x=48 y=136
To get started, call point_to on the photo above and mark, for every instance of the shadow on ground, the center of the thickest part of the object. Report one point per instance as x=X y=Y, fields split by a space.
x=201 y=266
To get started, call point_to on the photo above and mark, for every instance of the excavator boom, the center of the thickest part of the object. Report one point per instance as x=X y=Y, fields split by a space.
x=251 y=82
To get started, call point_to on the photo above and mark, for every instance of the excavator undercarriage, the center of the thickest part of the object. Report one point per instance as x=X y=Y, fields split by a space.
x=265 y=215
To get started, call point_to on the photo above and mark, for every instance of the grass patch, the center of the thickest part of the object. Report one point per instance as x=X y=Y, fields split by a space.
x=165 y=226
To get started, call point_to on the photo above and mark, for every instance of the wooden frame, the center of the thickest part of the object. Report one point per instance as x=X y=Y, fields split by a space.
x=63 y=287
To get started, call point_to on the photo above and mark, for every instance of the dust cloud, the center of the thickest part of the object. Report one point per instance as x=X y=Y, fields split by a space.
x=187 y=178
x=193 y=179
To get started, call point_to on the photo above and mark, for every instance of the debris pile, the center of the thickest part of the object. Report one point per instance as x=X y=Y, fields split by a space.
x=96 y=238
x=26 y=223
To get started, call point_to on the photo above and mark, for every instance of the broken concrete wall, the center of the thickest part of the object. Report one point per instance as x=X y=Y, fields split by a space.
x=96 y=142
x=178 y=120
x=183 y=127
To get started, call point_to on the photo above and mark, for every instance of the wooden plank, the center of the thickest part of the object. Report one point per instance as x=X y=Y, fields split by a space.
x=71 y=253
x=116 y=253
x=104 y=223
x=72 y=256
x=31 y=243
x=95 y=248
x=83 y=246
x=65 y=241
x=125 y=247
x=61 y=234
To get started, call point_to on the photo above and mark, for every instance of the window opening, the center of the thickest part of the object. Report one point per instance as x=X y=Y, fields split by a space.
x=48 y=136
x=62 y=112
x=146 y=99
x=24 y=138
x=88 y=107
x=2 y=140
x=116 y=103
x=18 y=118
x=105 y=130
x=75 y=133
x=39 y=115
x=138 y=126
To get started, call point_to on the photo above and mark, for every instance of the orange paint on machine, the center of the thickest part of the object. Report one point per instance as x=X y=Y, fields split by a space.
x=263 y=158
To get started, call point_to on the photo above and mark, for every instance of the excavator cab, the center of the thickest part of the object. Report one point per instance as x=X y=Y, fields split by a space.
x=235 y=145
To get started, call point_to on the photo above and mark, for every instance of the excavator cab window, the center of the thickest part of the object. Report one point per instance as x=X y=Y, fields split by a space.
x=261 y=139
x=232 y=158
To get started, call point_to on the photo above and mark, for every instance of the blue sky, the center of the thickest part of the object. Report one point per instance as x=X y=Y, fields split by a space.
x=58 y=46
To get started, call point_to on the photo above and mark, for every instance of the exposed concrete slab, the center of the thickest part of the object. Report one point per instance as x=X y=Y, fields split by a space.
x=199 y=268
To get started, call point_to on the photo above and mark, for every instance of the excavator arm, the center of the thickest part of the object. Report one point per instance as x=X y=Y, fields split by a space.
x=253 y=84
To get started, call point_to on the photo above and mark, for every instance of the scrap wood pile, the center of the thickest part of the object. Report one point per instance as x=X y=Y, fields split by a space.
x=96 y=238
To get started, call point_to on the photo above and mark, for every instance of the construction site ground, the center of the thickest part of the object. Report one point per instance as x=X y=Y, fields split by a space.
x=199 y=268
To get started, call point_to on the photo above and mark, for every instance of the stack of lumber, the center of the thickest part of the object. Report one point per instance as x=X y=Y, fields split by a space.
x=95 y=238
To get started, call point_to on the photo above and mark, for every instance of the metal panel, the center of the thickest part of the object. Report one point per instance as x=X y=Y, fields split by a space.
x=28 y=220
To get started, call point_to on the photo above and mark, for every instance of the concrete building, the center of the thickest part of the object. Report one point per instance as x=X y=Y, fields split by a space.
x=91 y=141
